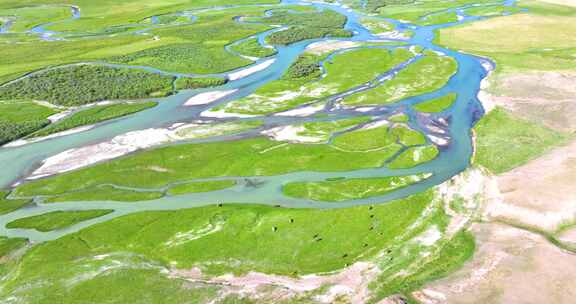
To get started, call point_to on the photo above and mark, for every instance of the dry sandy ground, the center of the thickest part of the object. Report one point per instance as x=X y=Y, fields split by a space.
x=208 y=97
x=546 y=97
x=351 y=282
x=513 y=265
x=562 y=2
x=251 y=70
x=323 y=47
x=541 y=193
x=510 y=266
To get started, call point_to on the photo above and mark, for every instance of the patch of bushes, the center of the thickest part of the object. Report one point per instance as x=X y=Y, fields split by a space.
x=10 y=131
x=56 y=220
x=94 y=115
x=252 y=48
x=84 y=84
x=305 y=26
x=375 y=5
x=305 y=67
x=186 y=83
x=185 y=58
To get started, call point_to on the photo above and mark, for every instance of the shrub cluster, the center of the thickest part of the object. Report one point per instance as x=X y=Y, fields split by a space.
x=186 y=83
x=375 y=5
x=10 y=131
x=252 y=48
x=304 y=26
x=84 y=84
x=305 y=67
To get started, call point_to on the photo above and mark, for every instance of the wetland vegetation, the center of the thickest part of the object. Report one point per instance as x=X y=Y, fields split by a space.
x=83 y=84
x=56 y=220
x=94 y=115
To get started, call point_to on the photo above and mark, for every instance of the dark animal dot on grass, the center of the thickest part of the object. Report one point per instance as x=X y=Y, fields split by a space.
x=345 y=255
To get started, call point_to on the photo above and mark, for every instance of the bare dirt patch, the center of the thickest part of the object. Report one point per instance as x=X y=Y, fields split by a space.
x=541 y=193
x=562 y=2
x=545 y=97
x=510 y=266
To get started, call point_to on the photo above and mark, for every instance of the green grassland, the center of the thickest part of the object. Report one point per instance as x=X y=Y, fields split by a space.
x=414 y=156
x=83 y=84
x=323 y=131
x=439 y=18
x=490 y=11
x=196 y=187
x=9 y=245
x=56 y=220
x=504 y=142
x=98 y=16
x=378 y=137
x=424 y=12
x=137 y=251
x=202 y=44
x=217 y=129
x=248 y=157
x=240 y=237
x=94 y=115
x=377 y=26
x=447 y=258
x=400 y=117
x=209 y=34
x=105 y=193
x=302 y=82
x=437 y=104
x=425 y=75
x=349 y=189
x=19 y=118
x=365 y=148
x=525 y=41
x=252 y=48
x=24 y=110
x=9 y=205
x=27 y=17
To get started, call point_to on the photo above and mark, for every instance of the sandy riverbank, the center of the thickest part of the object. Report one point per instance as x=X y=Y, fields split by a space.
x=548 y=98
x=251 y=70
x=512 y=264
x=323 y=47
x=304 y=111
x=208 y=97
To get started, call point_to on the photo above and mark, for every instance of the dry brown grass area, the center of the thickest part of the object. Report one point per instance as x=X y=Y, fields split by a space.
x=548 y=98
x=510 y=266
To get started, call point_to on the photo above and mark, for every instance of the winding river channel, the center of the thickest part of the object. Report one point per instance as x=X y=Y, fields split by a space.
x=19 y=162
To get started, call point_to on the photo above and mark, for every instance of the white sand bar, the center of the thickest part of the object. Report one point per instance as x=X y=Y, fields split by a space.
x=251 y=70
x=208 y=97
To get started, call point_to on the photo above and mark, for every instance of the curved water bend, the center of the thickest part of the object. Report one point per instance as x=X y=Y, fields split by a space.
x=453 y=159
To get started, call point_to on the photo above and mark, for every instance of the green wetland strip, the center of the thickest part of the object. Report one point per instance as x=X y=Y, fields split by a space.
x=407 y=154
